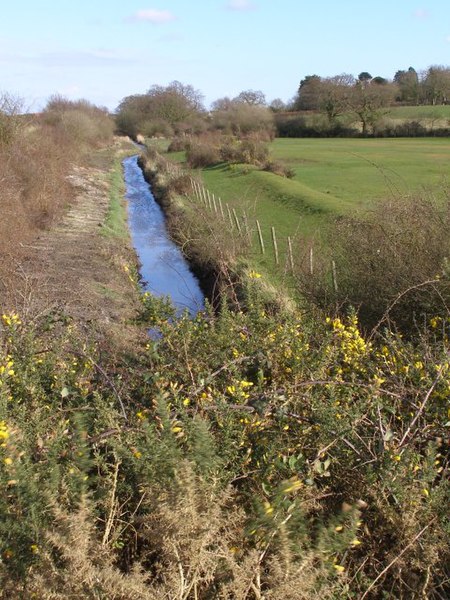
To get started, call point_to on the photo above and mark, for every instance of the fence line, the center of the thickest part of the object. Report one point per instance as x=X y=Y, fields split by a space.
x=240 y=224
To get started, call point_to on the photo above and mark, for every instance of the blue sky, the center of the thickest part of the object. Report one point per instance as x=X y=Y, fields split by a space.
x=103 y=50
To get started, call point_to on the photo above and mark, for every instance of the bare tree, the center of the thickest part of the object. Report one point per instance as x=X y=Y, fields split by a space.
x=11 y=108
x=369 y=102
x=436 y=85
x=335 y=95
x=252 y=97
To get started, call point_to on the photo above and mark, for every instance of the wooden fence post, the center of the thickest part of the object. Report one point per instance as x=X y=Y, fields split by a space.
x=238 y=225
x=333 y=270
x=246 y=227
x=275 y=245
x=291 y=256
x=311 y=261
x=261 y=241
x=230 y=217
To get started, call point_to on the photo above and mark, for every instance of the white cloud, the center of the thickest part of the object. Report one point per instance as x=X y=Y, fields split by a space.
x=240 y=5
x=421 y=13
x=152 y=15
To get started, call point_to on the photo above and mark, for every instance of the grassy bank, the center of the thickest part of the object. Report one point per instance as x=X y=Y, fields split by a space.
x=116 y=219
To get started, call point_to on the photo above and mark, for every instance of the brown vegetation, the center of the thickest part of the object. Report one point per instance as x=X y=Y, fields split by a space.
x=392 y=265
x=36 y=155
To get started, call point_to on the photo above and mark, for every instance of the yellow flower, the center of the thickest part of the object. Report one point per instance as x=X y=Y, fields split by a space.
x=291 y=485
x=246 y=384
x=254 y=275
x=8 y=460
x=4 y=433
x=434 y=322
x=339 y=568
x=268 y=508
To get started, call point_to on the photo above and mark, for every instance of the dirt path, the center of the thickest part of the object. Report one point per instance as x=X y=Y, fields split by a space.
x=74 y=267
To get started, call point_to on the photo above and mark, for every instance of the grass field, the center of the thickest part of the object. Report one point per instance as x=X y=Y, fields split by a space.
x=332 y=177
x=357 y=172
x=417 y=113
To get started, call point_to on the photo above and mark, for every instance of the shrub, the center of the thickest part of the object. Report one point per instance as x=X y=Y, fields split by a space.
x=391 y=263
x=278 y=168
x=202 y=154
x=179 y=144
x=246 y=151
x=81 y=121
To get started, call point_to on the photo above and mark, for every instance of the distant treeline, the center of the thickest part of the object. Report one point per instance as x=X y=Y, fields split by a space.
x=342 y=105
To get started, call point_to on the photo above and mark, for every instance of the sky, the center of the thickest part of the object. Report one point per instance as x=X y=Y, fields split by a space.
x=104 y=50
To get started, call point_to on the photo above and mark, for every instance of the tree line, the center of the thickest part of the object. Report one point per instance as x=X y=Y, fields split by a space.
x=339 y=102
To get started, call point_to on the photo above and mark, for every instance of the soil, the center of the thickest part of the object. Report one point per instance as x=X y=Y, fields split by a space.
x=74 y=268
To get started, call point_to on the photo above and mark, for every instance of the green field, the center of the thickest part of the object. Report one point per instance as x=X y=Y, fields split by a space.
x=418 y=113
x=332 y=177
x=357 y=172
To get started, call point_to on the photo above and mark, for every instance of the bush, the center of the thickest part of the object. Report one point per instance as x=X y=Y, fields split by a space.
x=246 y=151
x=81 y=121
x=275 y=453
x=202 y=154
x=179 y=144
x=393 y=263
x=278 y=168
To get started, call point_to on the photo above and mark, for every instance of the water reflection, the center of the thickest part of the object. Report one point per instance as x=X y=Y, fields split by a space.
x=164 y=270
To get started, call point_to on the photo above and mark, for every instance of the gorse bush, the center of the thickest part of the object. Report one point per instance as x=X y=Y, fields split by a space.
x=248 y=452
x=274 y=455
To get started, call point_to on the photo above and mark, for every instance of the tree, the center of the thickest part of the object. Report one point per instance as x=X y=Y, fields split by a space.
x=365 y=77
x=162 y=110
x=408 y=86
x=10 y=121
x=379 y=80
x=308 y=95
x=252 y=97
x=175 y=102
x=334 y=96
x=369 y=101
x=436 y=85
x=277 y=105
x=240 y=117
x=224 y=103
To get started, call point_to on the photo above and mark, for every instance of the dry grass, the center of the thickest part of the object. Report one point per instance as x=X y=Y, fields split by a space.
x=35 y=159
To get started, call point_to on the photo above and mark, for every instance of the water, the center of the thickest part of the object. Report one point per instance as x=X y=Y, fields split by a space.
x=164 y=270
